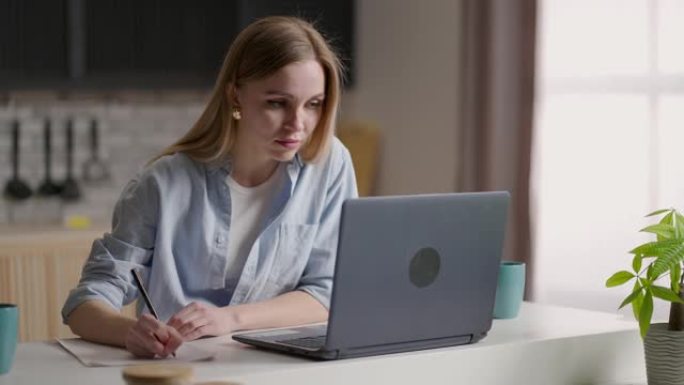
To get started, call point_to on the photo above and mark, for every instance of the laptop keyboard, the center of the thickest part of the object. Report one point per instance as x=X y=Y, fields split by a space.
x=306 y=342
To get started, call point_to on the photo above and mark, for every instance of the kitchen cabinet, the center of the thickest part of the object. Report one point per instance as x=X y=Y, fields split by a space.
x=33 y=41
x=147 y=42
x=38 y=267
x=114 y=44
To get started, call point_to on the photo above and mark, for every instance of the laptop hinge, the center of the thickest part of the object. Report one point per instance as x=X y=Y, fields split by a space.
x=405 y=346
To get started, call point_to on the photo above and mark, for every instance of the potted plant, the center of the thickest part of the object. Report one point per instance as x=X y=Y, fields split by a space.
x=657 y=273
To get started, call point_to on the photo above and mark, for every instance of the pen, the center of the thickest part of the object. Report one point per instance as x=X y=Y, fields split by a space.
x=146 y=298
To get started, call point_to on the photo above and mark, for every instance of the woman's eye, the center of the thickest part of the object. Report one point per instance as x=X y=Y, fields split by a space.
x=275 y=103
x=315 y=103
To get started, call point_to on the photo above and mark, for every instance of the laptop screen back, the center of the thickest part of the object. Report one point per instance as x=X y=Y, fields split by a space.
x=416 y=268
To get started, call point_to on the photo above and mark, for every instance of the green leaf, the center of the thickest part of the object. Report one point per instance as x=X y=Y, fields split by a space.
x=668 y=219
x=664 y=230
x=619 y=278
x=658 y=212
x=630 y=298
x=645 y=313
x=666 y=294
x=670 y=257
x=675 y=276
x=680 y=217
x=680 y=224
x=655 y=249
x=636 y=263
x=636 y=302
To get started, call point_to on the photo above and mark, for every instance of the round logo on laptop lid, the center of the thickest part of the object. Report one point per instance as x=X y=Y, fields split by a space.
x=424 y=267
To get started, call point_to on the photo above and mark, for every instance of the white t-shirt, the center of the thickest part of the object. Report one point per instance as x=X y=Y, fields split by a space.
x=249 y=206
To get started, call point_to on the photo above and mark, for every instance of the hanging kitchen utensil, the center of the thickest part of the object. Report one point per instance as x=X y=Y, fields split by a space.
x=70 y=189
x=48 y=187
x=94 y=169
x=16 y=189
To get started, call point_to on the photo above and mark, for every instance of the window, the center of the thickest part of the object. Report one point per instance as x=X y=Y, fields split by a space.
x=609 y=127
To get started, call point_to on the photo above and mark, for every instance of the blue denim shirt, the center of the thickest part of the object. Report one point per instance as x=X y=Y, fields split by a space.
x=172 y=222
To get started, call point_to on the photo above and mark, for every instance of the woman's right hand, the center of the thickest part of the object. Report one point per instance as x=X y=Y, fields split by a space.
x=149 y=337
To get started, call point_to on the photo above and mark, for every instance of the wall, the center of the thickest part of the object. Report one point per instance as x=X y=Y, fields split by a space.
x=134 y=126
x=407 y=83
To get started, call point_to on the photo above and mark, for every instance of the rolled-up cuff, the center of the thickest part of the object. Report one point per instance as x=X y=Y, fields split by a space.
x=83 y=294
x=321 y=295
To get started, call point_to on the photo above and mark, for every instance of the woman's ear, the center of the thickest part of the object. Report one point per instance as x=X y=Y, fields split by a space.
x=232 y=94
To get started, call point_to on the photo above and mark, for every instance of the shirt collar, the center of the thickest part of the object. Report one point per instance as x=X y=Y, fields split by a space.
x=226 y=164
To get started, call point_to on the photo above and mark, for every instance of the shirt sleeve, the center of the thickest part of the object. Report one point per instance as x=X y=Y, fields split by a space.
x=106 y=275
x=317 y=277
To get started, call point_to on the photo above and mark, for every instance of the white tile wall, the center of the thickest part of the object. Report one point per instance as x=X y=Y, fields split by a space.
x=134 y=126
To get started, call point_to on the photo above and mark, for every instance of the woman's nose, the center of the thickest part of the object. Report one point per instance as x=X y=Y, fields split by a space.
x=295 y=121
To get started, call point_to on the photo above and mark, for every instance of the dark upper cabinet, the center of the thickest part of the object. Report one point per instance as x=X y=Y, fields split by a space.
x=141 y=43
x=33 y=41
x=177 y=41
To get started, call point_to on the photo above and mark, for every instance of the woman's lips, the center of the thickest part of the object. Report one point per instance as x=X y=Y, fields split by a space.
x=288 y=143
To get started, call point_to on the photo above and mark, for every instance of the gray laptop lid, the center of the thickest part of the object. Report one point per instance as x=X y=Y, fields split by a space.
x=416 y=268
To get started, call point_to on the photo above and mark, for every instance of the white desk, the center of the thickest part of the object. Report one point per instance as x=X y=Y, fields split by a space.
x=544 y=345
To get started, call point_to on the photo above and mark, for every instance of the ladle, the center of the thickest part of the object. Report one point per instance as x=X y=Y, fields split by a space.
x=16 y=189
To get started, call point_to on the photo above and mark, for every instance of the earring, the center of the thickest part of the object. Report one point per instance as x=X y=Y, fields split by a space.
x=236 y=114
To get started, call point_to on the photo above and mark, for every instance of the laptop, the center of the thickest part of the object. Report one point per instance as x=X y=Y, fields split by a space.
x=412 y=273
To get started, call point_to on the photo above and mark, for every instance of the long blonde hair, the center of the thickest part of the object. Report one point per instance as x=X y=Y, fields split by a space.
x=260 y=50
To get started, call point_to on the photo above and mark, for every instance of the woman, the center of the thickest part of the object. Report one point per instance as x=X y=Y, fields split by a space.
x=235 y=226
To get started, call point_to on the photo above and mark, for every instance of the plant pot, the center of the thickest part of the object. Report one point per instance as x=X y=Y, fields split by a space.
x=664 y=355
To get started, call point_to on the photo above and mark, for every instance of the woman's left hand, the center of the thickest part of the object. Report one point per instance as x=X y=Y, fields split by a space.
x=200 y=319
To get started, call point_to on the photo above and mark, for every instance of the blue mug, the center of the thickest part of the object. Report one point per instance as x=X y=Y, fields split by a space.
x=509 y=290
x=9 y=321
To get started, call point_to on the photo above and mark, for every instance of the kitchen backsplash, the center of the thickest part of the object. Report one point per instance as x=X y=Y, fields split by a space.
x=132 y=127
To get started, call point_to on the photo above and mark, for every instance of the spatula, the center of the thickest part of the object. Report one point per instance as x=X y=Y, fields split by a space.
x=94 y=169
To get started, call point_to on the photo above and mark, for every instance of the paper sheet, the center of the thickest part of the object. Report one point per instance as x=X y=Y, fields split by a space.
x=92 y=354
